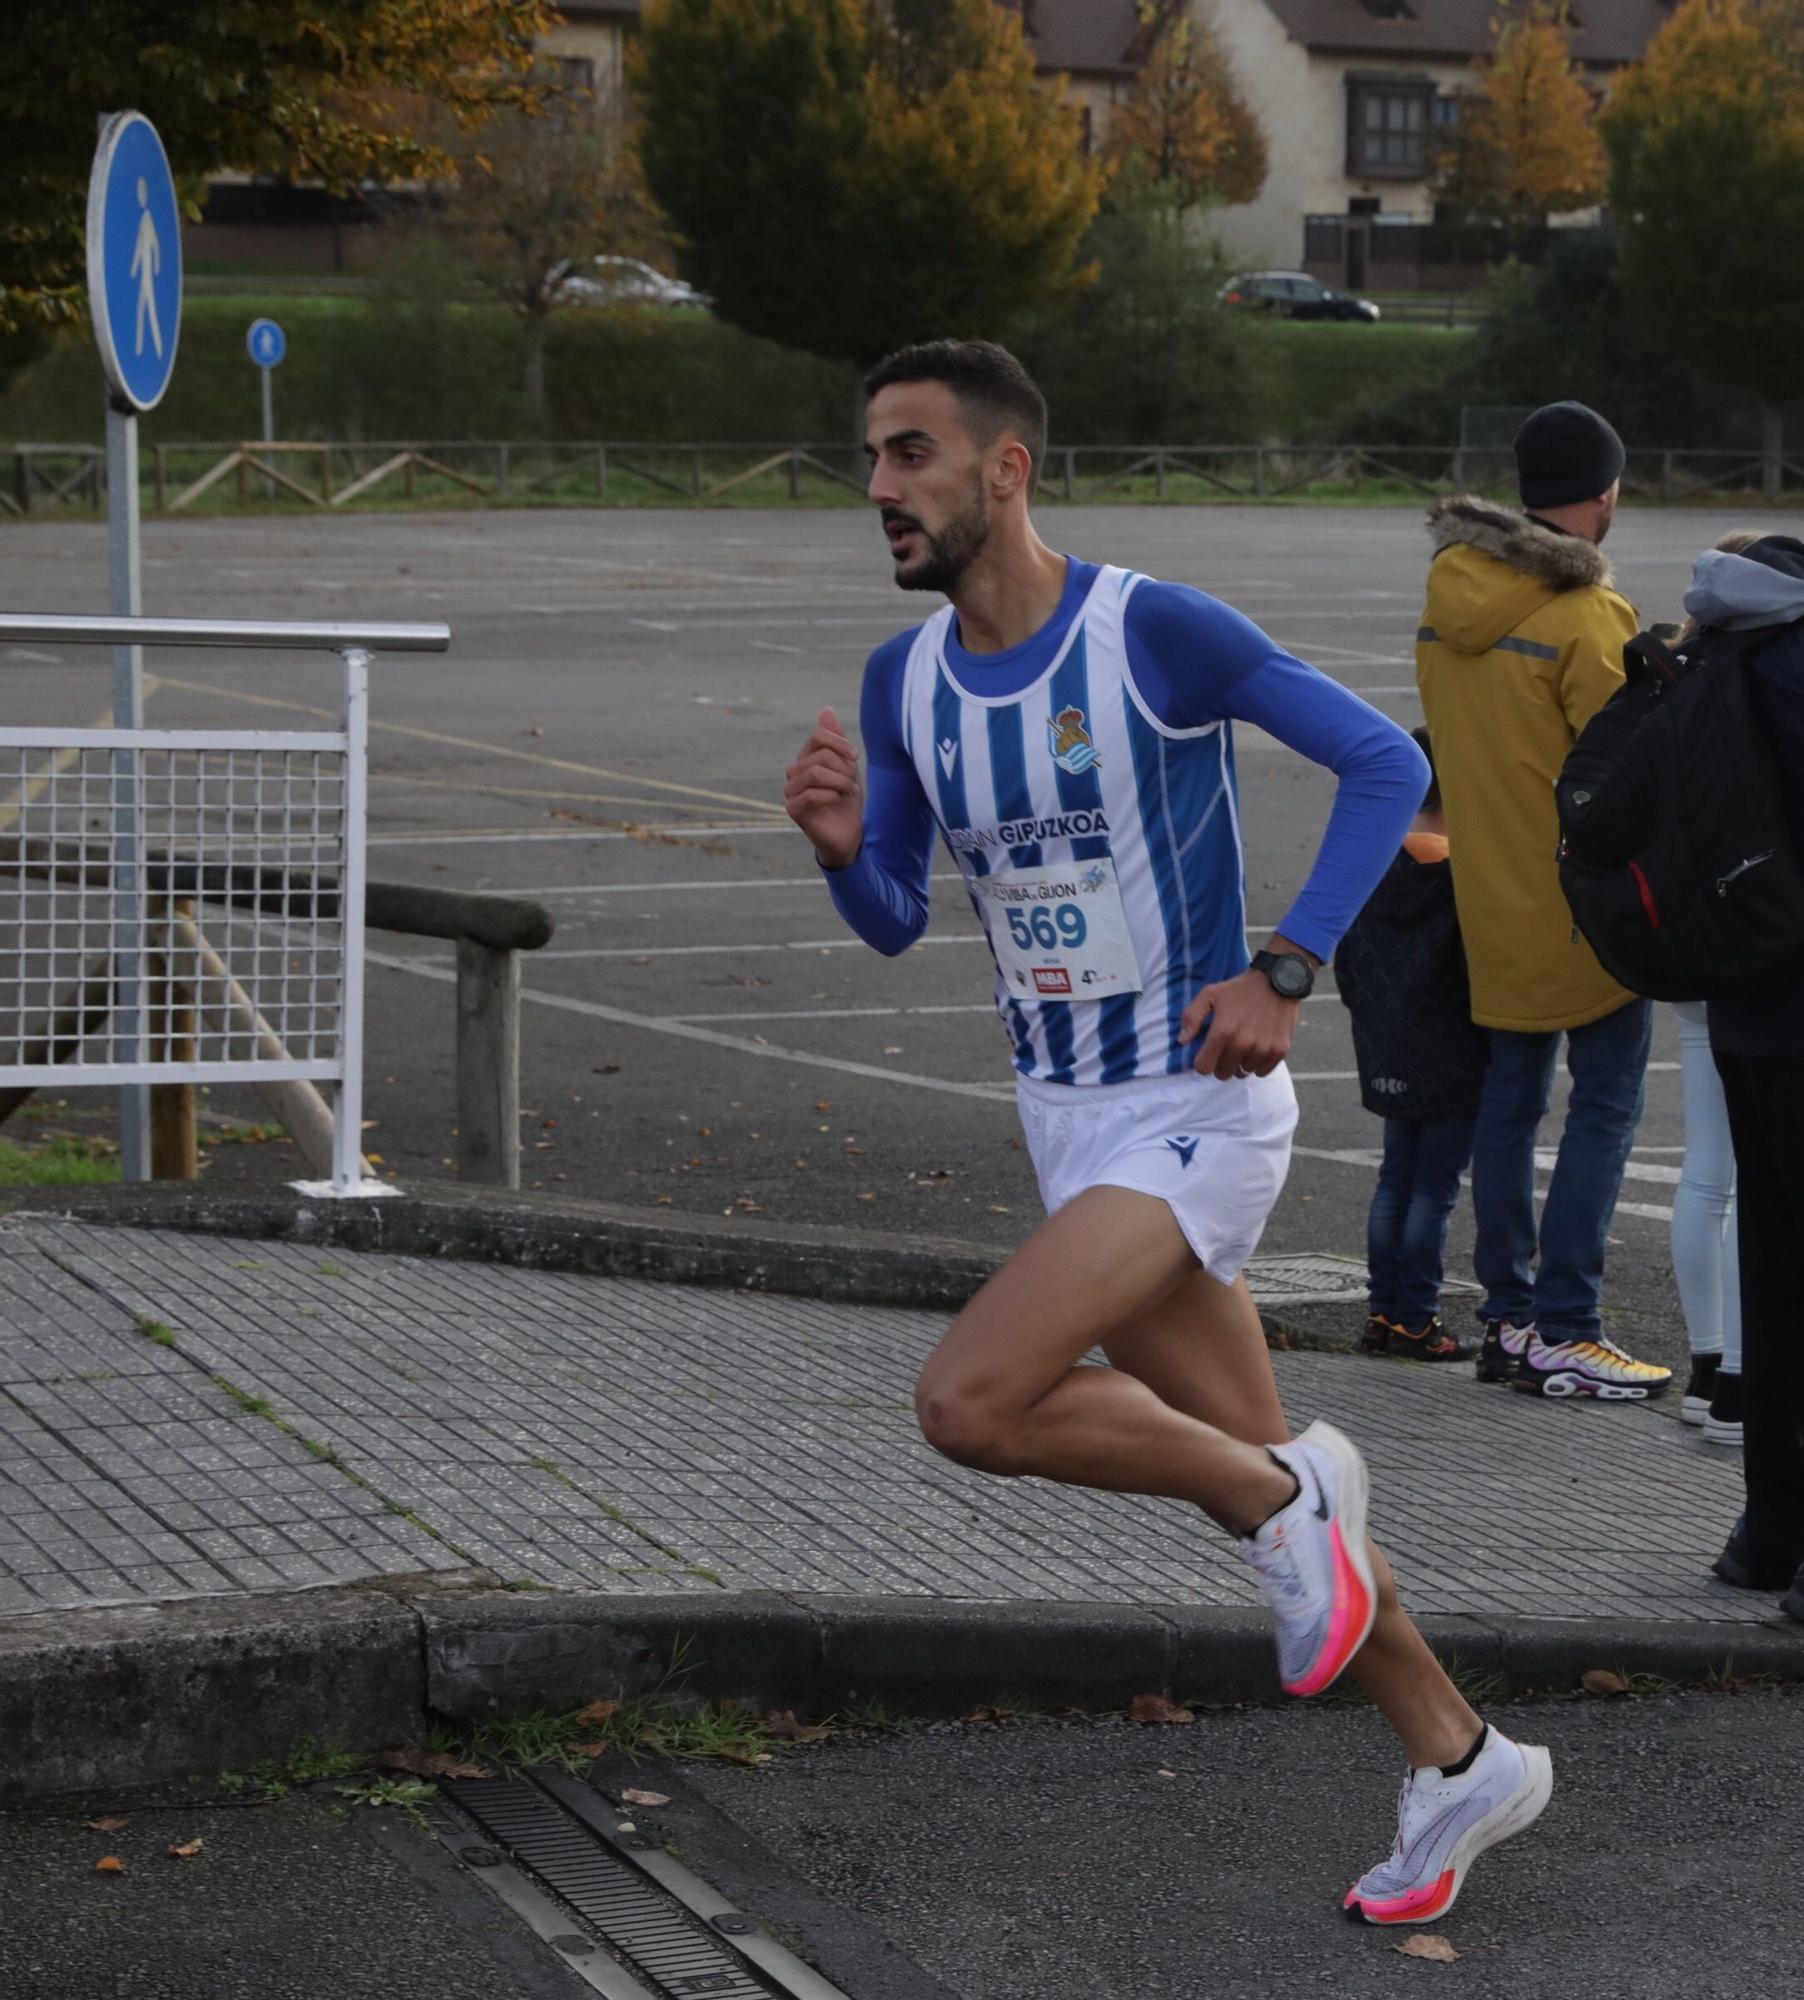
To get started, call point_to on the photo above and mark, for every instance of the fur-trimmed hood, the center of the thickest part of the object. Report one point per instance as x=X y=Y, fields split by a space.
x=1494 y=567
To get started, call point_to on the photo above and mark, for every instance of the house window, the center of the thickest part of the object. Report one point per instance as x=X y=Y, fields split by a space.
x=1387 y=126
x=574 y=76
x=1446 y=114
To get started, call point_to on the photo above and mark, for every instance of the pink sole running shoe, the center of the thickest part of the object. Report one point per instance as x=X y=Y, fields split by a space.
x=1445 y=1824
x=1312 y=1561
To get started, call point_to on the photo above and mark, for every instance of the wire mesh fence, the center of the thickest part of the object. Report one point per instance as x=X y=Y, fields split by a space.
x=216 y=904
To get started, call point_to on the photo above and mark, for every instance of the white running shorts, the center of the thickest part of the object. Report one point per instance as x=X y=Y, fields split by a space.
x=1216 y=1153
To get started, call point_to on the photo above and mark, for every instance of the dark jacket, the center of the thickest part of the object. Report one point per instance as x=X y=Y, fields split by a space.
x=1401 y=971
x=1748 y=591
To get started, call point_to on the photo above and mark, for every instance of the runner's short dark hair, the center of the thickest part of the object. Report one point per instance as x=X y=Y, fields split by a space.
x=992 y=387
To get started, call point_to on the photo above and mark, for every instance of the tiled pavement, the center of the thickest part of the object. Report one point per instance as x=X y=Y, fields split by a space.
x=187 y=1415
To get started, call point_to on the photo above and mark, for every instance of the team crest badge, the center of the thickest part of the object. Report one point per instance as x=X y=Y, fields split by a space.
x=1069 y=740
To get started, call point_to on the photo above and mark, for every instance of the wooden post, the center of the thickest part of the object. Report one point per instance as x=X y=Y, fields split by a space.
x=244 y=479
x=174 y=1130
x=488 y=1064
x=501 y=465
x=325 y=473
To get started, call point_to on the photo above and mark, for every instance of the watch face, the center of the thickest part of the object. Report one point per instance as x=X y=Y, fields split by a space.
x=1291 y=978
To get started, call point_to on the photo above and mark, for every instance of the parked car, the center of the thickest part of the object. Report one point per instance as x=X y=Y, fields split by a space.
x=621 y=281
x=1295 y=295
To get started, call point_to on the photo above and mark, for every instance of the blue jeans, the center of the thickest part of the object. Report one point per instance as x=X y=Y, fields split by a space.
x=1406 y=1231
x=1607 y=1061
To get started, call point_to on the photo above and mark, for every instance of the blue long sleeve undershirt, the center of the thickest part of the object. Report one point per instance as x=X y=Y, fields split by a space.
x=1194 y=661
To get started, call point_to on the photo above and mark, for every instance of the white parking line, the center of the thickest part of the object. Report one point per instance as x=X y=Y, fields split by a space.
x=663 y=888
x=1369 y=1157
x=498 y=837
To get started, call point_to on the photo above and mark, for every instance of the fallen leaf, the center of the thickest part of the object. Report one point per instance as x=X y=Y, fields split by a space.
x=598 y=1711
x=111 y=1824
x=635 y=1798
x=867 y=1197
x=750 y=1758
x=432 y=1764
x=109 y=1864
x=1157 y=1708
x=782 y=1723
x=185 y=1850
x=824 y=1104
x=1600 y=1680
x=534 y=731
x=704 y=1131
x=892 y=1049
x=999 y=1208
x=1167 y=1774
x=989 y=1715
x=1430 y=1946
x=663 y=1200
x=599 y=1749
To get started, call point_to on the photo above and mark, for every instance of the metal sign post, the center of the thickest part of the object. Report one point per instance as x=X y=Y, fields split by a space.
x=135 y=296
x=267 y=344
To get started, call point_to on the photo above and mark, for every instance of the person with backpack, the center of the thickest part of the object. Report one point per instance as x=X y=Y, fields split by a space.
x=1757 y=1038
x=1520 y=645
x=1401 y=973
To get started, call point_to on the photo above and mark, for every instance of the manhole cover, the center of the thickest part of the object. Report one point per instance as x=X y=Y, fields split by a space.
x=1315 y=1278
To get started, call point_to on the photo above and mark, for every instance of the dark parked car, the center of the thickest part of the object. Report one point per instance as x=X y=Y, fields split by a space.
x=1295 y=295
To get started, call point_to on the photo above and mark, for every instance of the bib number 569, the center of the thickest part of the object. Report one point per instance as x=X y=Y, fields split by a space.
x=1048 y=929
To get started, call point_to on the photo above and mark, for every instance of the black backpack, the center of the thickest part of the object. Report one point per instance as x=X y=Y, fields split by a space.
x=1674 y=850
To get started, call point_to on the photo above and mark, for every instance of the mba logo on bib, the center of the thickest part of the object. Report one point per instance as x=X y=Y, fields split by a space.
x=1070 y=742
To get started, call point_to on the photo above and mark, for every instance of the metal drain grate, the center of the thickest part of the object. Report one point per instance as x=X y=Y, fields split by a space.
x=1315 y=1279
x=651 y=1931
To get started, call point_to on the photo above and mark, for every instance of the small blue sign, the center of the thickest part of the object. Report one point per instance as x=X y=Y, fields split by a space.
x=267 y=343
x=134 y=259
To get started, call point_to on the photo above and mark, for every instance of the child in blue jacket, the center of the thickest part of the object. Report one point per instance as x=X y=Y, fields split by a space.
x=1401 y=971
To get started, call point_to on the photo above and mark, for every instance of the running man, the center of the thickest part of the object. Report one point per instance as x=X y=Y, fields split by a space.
x=1066 y=730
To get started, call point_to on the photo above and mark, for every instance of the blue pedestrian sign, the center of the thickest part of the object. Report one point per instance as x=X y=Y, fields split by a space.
x=134 y=259
x=267 y=343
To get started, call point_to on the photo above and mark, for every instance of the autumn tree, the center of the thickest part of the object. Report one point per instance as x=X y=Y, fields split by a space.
x=1706 y=146
x=1184 y=125
x=537 y=196
x=1526 y=145
x=333 y=91
x=849 y=175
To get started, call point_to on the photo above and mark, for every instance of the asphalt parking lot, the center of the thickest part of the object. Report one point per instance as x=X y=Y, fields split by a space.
x=608 y=735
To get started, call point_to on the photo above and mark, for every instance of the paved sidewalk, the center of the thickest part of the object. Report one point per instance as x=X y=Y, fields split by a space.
x=186 y=1416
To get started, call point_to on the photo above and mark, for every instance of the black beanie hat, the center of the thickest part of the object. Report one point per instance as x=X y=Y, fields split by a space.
x=1566 y=452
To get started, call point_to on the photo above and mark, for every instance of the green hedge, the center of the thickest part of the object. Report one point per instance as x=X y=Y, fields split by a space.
x=391 y=367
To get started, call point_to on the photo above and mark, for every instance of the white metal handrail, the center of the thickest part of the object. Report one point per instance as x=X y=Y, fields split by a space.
x=297 y=635
x=241 y=800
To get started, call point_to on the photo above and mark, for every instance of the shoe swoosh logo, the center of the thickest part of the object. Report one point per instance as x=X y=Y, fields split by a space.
x=1321 y=1499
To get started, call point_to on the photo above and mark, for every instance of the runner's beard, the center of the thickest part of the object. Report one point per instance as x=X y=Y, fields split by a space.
x=950 y=552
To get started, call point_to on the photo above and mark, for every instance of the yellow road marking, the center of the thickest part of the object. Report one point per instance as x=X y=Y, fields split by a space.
x=34 y=788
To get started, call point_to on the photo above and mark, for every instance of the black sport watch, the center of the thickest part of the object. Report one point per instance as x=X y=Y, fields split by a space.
x=1292 y=976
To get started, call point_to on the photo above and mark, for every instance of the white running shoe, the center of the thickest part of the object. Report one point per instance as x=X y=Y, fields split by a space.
x=1312 y=1561
x=1445 y=1824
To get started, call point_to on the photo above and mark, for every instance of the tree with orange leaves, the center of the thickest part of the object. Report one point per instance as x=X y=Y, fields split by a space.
x=1706 y=141
x=1526 y=145
x=1184 y=126
x=852 y=175
x=334 y=91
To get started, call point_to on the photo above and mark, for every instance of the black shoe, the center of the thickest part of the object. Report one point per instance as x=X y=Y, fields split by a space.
x=1379 y=1328
x=1792 y=1603
x=1501 y=1353
x=1723 y=1420
x=1700 y=1388
x=1428 y=1342
x=1736 y=1565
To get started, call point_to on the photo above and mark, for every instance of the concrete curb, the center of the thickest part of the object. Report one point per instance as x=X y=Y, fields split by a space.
x=597 y=1239
x=553 y=1233
x=109 y=1698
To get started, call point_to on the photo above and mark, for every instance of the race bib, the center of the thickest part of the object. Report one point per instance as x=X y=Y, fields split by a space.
x=1059 y=933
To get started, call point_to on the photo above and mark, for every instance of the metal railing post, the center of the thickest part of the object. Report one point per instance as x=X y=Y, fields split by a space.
x=347 y=1123
x=488 y=1064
